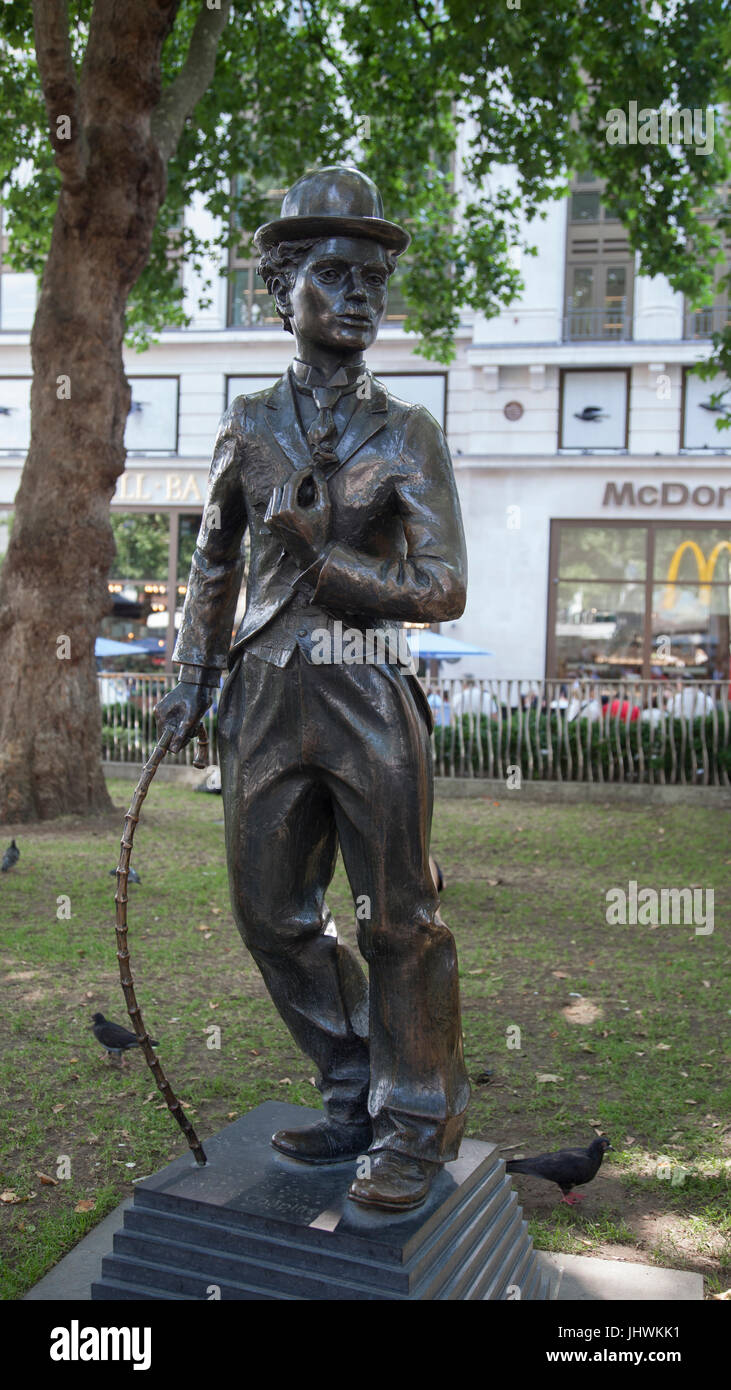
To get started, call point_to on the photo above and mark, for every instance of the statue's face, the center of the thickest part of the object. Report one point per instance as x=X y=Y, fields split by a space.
x=339 y=295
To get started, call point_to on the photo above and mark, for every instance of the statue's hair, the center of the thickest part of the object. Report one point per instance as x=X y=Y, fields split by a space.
x=278 y=267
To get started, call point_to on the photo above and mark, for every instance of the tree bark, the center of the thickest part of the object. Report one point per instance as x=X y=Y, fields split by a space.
x=53 y=588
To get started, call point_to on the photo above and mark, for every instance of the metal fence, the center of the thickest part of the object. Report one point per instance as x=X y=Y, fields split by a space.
x=129 y=730
x=705 y=322
x=583 y=731
x=594 y=325
x=629 y=731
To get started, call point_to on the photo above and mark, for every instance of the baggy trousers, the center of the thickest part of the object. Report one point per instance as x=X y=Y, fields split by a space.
x=312 y=756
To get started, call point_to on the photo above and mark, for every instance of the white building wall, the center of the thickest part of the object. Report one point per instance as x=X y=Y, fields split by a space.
x=206 y=282
x=658 y=310
x=536 y=316
x=507 y=515
x=512 y=480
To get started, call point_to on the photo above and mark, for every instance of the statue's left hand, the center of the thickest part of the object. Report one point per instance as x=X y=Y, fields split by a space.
x=299 y=514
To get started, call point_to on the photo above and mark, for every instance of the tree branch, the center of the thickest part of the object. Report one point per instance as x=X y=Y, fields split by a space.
x=60 y=89
x=326 y=53
x=420 y=20
x=187 y=87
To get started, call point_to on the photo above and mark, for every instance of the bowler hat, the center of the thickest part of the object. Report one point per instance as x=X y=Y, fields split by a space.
x=336 y=201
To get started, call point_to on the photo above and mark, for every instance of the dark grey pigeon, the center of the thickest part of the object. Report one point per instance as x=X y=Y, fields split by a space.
x=568 y=1167
x=10 y=857
x=113 y=1037
x=132 y=875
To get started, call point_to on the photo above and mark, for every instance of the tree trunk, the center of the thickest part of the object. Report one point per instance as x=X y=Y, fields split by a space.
x=53 y=589
x=54 y=584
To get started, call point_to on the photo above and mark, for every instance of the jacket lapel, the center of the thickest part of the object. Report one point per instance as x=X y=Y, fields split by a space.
x=282 y=418
x=367 y=419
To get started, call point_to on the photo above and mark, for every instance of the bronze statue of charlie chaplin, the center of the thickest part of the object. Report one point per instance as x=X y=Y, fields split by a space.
x=353 y=518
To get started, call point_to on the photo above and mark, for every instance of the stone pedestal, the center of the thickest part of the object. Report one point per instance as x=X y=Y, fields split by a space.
x=256 y=1225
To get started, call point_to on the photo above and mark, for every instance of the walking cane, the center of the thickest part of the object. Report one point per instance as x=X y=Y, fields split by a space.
x=120 y=897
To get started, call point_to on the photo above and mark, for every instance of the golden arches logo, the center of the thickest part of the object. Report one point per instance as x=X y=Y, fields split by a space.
x=706 y=568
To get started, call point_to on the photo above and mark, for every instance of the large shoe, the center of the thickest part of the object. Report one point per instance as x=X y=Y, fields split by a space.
x=397 y=1182
x=324 y=1142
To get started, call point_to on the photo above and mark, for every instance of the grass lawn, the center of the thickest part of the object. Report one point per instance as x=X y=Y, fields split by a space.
x=629 y=1021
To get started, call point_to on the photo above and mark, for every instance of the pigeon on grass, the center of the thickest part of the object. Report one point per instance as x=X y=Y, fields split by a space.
x=10 y=857
x=568 y=1167
x=113 y=1037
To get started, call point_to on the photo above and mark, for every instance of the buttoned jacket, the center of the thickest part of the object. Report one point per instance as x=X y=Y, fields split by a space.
x=396 y=548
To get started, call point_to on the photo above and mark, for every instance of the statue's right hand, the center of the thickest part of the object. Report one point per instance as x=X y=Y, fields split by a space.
x=182 y=710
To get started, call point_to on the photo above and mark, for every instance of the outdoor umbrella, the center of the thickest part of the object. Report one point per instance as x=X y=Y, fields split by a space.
x=436 y=646
x=104 y=646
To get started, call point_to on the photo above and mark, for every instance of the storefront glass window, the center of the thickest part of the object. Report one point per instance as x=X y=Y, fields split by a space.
x=690 y=630
x=138 y=584
x=645 y=601
x=693 y=554
x=188 y=528
x=600 y=628
x=690 y=610
x=602 y=552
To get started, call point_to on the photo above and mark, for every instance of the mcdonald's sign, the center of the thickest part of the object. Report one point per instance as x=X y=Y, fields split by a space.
x=706 y=568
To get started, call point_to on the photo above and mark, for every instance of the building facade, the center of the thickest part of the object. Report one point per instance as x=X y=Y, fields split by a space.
x=595 y=488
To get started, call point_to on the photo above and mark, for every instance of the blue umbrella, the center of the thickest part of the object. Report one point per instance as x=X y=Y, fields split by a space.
x=436 y=646
x=150 y=644
x=104 y=646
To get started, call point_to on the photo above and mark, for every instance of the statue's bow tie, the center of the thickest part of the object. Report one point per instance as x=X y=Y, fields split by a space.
x=326 y=394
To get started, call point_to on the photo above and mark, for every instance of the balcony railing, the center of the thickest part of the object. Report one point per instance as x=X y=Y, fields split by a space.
x=705 y=322
x=630 y=731
x=612 y=324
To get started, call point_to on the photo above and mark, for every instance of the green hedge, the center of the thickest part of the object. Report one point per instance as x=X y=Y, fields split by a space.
x=596 y=740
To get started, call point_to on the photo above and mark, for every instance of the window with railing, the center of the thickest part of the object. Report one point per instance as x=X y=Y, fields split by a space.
x=249 y=304
x=716 y=314
x=599 y=268
x=713 y=316
x=396 y=308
